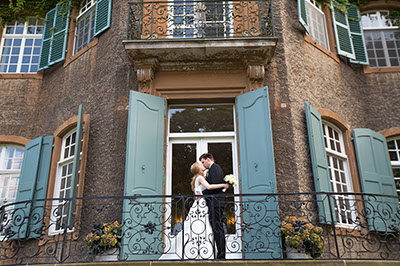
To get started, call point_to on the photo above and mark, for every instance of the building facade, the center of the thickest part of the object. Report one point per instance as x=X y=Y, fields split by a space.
x=290 y=97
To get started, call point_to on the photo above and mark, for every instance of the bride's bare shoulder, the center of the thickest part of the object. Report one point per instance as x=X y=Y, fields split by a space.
x=200 y=177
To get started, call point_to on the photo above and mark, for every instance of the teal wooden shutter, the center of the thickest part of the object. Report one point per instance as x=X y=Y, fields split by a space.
x=357 y=36
x=38 y=209
x=376 y=177
x=60 y=34
x=257 y=175
x=144 y=175
x=75 y=170
x=319 y=163
x=344 y=43
x=103 y=16
x=54 y=40
x=46 y=39
x=303 y=19
x=28 y=217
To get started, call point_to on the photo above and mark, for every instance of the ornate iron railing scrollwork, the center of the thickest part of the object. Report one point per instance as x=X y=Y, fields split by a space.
x=194 y=19
x=175 y=227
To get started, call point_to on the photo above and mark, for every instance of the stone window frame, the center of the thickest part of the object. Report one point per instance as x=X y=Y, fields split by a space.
x=64 y=161
x=338 y=153
x=58 y=135
x=71 y=56
x=392 y=134
x=23 y=36
x=37 y=75
x=335 y=119
x=15 y=141
x=331 y=39
x=380 y=5
x=87 y=10
x=315 y=7
x=381 y=29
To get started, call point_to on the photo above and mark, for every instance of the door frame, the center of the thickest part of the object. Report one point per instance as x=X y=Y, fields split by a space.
x=207 y=137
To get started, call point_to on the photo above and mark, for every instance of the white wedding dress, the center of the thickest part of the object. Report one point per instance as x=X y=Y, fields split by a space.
x=198 y=235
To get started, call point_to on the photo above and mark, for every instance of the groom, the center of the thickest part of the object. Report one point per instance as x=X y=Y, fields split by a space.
x=215 y=204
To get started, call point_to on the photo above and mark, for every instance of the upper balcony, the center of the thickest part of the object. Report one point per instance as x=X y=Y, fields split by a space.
x=189 y=33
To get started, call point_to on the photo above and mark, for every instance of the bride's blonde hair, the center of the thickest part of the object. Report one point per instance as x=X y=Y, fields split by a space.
x=196 y=171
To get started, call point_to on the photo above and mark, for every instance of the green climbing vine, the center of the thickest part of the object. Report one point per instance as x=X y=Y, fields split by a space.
x=20 y=9
x=343 y=5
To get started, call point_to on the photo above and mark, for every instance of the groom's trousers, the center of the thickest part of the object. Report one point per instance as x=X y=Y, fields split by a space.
x=215 y=211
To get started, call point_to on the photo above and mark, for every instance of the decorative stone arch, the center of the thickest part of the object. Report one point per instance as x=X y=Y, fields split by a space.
x=14 y=140
x=391 y=132
x=58 y=135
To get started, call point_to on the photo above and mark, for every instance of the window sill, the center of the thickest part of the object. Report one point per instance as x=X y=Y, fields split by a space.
x=321 y=48
x=346 y=230
x=370 y=70
x=71 y=59
x=38 y=75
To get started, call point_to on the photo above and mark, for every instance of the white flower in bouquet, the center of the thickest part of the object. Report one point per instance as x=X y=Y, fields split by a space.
x=231 y=180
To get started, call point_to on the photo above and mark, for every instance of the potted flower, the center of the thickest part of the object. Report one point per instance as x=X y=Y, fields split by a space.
x=302 y=236
x=105 y=239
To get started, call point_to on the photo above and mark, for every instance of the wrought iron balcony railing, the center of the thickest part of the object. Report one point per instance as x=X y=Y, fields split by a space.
x=193 y=19
x=262 y=226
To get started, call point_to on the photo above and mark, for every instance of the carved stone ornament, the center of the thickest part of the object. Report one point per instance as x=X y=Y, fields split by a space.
x=145 y=78
x=255 y=74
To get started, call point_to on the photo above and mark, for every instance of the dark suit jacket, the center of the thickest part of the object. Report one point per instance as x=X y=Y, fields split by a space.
x=215 y=176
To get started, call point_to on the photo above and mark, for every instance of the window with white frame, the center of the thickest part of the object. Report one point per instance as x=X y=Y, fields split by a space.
x=201 y=19
x=339 y=173
x=317 y=23
x=20 y=46
x=393 y=145
x=84 y=31
x=10 y=169
x=382 y=39
x=63 y=186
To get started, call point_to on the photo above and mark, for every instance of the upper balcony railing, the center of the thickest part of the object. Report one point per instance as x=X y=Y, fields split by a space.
x=263 y=226
x=193 y=19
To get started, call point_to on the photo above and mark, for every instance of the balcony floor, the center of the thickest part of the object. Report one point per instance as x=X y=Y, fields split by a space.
x=247 y=263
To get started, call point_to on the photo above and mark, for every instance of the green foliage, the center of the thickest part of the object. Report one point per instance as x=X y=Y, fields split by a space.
x=394 y=15
x=20 y=9
x=301 y=234
x=343 y=5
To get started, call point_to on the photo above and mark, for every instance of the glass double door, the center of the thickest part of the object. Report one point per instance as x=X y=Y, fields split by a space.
x=182 y=153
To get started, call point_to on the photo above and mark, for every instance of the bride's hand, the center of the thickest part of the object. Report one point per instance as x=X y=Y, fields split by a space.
x=226 y=185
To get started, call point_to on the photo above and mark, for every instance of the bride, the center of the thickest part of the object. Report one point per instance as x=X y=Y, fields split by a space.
x=198 y=236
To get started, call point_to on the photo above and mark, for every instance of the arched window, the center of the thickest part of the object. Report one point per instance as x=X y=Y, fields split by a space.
x=11 y=156
x=339 y=173
x=393 y=144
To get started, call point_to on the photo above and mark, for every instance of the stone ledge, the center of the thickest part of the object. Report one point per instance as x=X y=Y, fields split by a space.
x=178 y=54
x=247 y=263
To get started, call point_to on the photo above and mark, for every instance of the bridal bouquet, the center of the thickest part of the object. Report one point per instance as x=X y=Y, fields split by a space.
x=231 y=180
